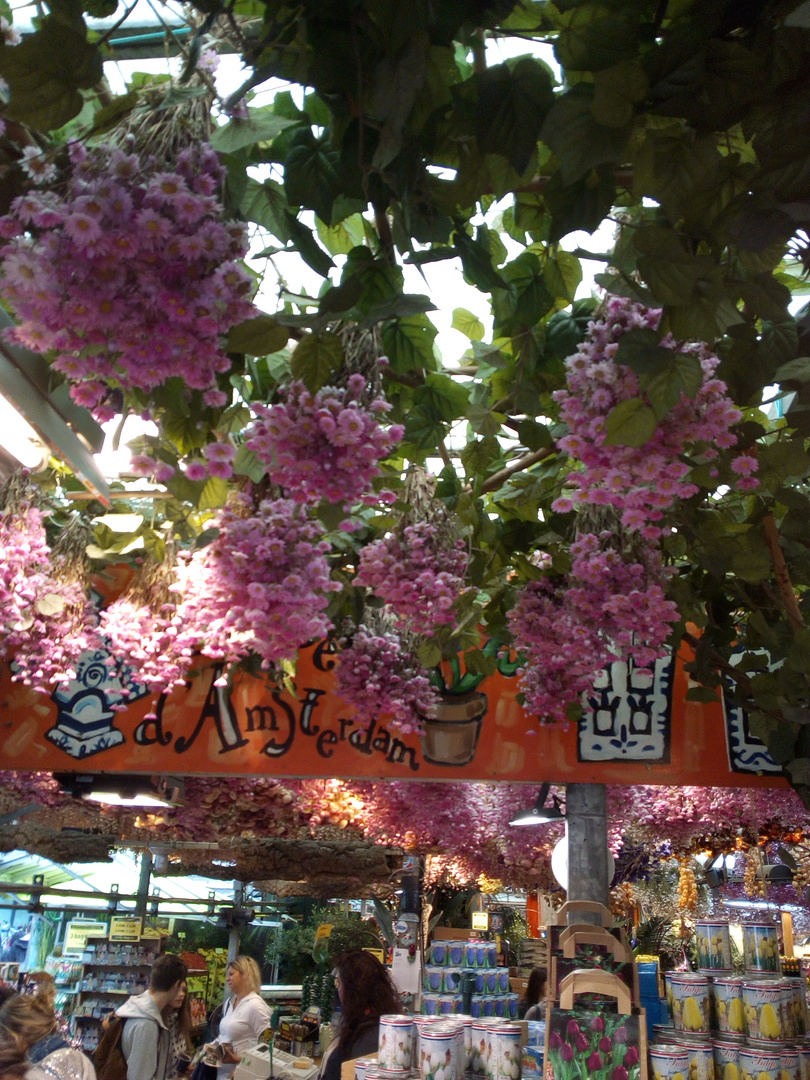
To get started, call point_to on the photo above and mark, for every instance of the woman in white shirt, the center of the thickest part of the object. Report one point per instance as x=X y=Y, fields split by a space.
x=245 y=1017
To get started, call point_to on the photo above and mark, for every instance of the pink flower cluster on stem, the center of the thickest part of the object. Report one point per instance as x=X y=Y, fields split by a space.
x=324 y=446
x=262 y=586
x=377 y=674
x=610 y=608
x=419 y=573
x=46 y=619
x=128 y=274
x=641 y=482
x=613 y=604
x=141 y=632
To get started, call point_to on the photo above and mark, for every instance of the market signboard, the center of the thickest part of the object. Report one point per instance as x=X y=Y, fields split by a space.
x=636 y=729
x=125 y=928
x=77 y=931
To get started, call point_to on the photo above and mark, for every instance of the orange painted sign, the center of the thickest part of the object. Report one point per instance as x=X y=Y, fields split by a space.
x=636 y=730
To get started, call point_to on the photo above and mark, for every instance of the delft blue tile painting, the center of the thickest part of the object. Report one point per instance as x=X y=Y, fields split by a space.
x=746 y=753
x=628 y=715
x=85 y=723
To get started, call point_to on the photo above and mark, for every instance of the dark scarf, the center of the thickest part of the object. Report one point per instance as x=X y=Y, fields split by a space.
x=49 y=1045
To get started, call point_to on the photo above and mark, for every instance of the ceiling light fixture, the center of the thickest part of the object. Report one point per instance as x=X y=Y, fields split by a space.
x=540 y=814
x=124 y=789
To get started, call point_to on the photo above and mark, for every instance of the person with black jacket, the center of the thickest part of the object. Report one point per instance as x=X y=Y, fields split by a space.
x=366 y=993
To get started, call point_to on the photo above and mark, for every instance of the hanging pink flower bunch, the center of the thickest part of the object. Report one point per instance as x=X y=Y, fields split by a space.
x=46 y=620
x=378 y=674
x=418 y=572
x=613 y=604
x=127 y=274
x=609 y=608
x=262 y=586
x=642 y=482
x=326 y=445
x=140 y=630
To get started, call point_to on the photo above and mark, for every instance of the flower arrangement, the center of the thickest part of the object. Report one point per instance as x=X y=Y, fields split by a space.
x=140 y=630
x=262 y=586
x=612 y=604
x=641 y=482
x=326 y=445
x=46 y=618
x=379 y=673
x=127 y=273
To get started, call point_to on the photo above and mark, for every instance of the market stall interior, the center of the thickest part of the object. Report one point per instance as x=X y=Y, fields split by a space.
x=404 y=487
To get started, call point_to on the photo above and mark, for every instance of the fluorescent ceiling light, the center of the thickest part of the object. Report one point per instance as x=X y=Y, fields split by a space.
x=114 y=798
x=124 y=789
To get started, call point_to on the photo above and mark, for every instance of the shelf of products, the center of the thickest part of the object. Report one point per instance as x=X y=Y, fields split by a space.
x=109 y=972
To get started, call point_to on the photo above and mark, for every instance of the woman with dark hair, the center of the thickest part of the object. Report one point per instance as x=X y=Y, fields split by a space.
x=535 y=1000
x=366 y=993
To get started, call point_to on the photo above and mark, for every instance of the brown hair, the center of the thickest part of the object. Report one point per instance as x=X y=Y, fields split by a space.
x=45 y=986
x=24 y=1020
x=368 y=994
x=184 y=1020
x=536 y=986
x=167 y=971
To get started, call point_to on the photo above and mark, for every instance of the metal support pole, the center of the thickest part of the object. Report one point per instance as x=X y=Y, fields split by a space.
x=233 y=936
x=143 y=883
x=586 y=818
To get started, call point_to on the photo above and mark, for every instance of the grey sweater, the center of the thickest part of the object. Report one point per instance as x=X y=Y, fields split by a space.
x=145 y=1038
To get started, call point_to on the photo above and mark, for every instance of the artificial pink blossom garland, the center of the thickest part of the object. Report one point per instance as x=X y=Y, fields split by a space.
x=379 y=674
x=262 y=586
x=46 y=619
x=140 y=628
x=127 y=274
x=324 y=446
x=610 y=608
x=613 y=604
x=642 y=482
x=418 y=572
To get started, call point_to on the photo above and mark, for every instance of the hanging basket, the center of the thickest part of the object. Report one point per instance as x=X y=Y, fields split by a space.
x=451 y=733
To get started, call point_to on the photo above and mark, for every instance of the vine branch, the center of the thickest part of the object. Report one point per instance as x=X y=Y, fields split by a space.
x=786 y=592
x=525 y=462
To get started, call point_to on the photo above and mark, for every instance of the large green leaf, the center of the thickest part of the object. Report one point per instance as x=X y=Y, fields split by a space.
x=581 y=205
x=476 y=261
x=681 y=374
x=468 y=324
x=312 y=174
x=512 y=104
x=630 y=423
x=408 y=343
x=316 y=358
x=260 y=125
x=46 y=71
x=595 y=39
x=526 y=299
x=577 y=139
x=450 y=397
x=257 y=337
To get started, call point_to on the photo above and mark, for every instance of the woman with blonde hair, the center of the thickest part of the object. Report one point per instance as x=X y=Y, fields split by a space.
x=31 y=1047
x=245 y=1017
